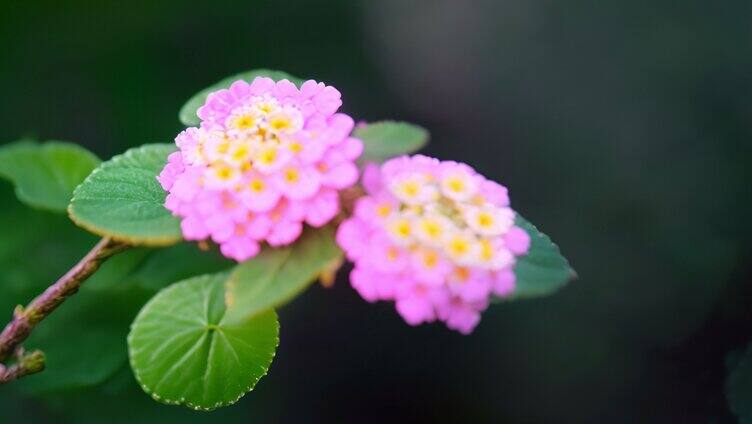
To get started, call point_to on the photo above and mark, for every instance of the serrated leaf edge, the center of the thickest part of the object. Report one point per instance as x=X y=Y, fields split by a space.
x=572 y=273
x=136 y=241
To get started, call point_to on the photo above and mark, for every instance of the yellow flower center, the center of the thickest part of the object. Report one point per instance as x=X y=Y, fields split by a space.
x=268 y=156
x=245 y=122
x=257 y=185
x=224 y=172
x=223 y=147
x=292 y=175
x=431 y=228
x=486 y=250
x=279 y=123
x=456 y=185
x=430 y=259
x=383 y=210
x=410 y=188
x=295 y=147
x=401 y=229
x=241 y=153
x=485 y=219
x=459 y=246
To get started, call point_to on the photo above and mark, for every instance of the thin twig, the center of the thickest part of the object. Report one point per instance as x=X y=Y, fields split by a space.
x=25 y=319
x=28 y=363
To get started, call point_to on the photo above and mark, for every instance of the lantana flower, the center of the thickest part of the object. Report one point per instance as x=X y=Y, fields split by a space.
x=435 y=237
x=267 y=158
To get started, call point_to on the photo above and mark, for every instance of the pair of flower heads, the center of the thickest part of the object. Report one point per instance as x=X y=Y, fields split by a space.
x=269 y=158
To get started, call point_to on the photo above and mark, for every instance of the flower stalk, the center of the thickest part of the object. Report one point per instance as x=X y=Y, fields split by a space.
x=25 y=319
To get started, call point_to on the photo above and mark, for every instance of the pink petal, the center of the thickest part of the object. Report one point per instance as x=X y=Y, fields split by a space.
x=415 y=310
x=517 y=241
x=504 y=282
x=322 y=208
x=284 y=233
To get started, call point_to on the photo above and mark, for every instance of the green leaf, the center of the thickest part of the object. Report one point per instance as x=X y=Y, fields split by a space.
x=165 y=266
x=183 y=351
x=152 y=269
x=123 y=200
x=543 y=270
x=386 y=139
x=277 y=275
x=45 y=174
x=118 y=270
x=188 y=112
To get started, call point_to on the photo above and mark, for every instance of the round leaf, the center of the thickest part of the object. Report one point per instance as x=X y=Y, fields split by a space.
x=183 y=352
x=386 y=139
x=46 y=174
x=188 y=112
x=277 y=275
x=543 y=270
x=123 y=200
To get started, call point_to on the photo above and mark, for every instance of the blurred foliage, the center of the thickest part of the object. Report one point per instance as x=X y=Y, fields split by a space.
x=385 y=139
x=46 y=174
x=622 y=129
x=277 y=276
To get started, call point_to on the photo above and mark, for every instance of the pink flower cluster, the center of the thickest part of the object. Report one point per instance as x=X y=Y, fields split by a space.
x=267 y=158
x=434 y=236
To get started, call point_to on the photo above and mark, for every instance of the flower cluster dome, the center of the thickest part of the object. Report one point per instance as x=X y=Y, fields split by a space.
x=267 y=158
x=434 y=236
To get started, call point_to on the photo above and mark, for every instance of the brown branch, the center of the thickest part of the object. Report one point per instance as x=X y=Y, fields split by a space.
x=347 y=199
x=25 y=319
x=28 y=363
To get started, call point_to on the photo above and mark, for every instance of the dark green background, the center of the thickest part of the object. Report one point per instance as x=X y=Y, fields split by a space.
x=622 y=129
